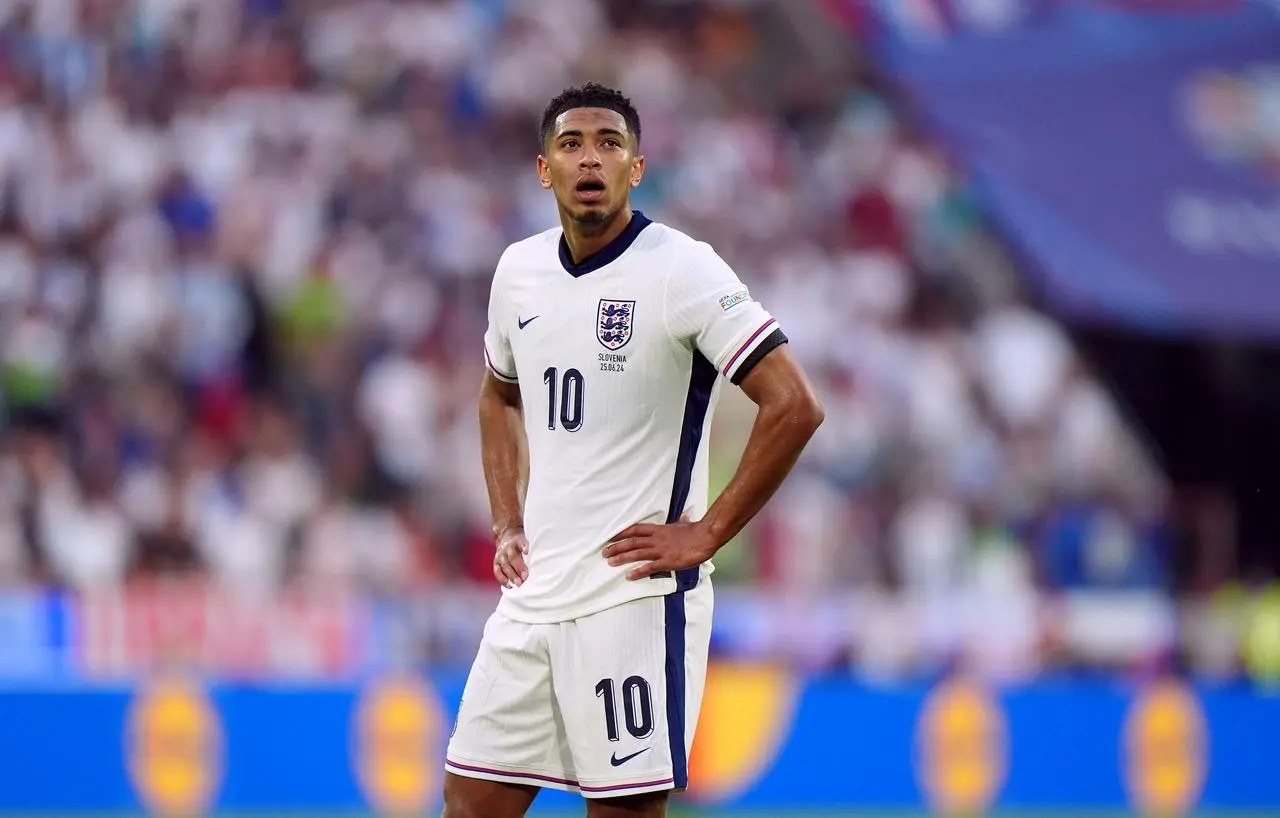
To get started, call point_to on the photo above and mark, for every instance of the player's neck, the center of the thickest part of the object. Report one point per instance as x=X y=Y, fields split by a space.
x=585 y=240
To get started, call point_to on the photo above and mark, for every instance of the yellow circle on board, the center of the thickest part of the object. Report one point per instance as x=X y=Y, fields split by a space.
x=173 y=743
x=746 y=716
x=399 y=745
x=962 y=748
x=1165 y=750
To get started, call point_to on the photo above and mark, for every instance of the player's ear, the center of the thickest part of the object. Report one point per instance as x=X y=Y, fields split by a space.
x=637 y=171
x=544 y=172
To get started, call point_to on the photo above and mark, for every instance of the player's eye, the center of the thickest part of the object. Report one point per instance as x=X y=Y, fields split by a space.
x=569 y=144
x=612 y=143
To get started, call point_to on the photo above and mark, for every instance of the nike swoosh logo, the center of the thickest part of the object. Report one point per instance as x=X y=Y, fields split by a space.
x=618 y=762
x=526 y=322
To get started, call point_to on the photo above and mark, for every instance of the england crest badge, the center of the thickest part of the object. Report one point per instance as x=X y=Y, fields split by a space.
x=613 y=323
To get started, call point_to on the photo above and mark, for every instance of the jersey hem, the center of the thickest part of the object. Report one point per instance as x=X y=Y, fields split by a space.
x=670 y=584
x=663 y=586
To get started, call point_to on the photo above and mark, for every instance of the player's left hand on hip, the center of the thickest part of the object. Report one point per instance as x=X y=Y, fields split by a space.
x=660 y=547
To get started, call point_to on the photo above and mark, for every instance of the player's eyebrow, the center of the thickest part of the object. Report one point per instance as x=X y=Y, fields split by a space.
x=600 y=131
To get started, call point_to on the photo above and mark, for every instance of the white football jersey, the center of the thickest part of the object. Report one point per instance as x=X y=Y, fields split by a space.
x=619 y=361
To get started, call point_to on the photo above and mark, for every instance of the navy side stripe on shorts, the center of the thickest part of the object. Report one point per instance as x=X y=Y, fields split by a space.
x=676 y=688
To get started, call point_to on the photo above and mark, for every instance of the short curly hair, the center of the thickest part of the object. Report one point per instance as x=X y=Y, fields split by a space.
x=589 y=95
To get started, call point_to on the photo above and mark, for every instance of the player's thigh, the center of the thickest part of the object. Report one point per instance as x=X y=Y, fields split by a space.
x=507 y=729
x=622 y=681
x=645 y=805
x=480 y=798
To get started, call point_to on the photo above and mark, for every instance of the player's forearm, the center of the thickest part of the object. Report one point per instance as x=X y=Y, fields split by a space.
x=500 y=434
x=777 y=438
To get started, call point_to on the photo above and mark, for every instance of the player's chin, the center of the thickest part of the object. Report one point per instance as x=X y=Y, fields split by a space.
x=591 y=212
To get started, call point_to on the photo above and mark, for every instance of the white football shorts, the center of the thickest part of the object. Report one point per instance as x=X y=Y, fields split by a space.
x=604 y=705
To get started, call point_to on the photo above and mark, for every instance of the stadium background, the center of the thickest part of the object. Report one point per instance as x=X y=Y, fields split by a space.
x=1026 y=248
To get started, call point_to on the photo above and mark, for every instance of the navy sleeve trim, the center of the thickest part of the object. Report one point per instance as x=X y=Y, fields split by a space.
x=775 y=339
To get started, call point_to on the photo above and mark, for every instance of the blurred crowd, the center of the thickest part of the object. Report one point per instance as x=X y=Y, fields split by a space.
x=1236 y=117
x=245 y=250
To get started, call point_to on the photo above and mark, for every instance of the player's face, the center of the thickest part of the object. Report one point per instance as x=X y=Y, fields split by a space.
x=591 y=164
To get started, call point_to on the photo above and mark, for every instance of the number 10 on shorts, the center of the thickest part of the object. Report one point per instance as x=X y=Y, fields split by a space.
x=637 y=707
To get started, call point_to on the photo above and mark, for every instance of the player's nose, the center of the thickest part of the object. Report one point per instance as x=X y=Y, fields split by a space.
x=590 y=159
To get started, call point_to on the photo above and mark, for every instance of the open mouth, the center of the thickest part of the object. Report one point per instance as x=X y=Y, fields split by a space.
x=589 y=190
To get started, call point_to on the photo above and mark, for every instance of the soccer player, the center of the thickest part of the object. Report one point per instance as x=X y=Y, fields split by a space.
x=609 y=338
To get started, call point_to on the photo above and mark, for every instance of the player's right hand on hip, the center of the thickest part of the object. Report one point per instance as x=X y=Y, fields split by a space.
x=509 y=567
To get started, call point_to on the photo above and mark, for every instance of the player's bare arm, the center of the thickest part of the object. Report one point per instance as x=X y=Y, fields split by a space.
x=501 y=433
x=789 y=414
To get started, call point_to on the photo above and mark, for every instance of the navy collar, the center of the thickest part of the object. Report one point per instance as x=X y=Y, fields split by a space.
x=607 y=254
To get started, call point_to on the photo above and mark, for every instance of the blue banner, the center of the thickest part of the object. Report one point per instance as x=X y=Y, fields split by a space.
x=32 y=634
x=767 y=740
x=1134 y=159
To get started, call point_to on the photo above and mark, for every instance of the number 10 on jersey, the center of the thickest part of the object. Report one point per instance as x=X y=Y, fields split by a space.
x=564 y=398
